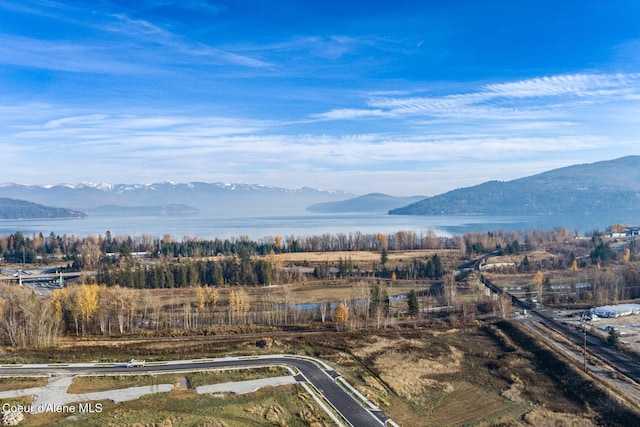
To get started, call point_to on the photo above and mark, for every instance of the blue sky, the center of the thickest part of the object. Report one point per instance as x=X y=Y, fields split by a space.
x=400 y=97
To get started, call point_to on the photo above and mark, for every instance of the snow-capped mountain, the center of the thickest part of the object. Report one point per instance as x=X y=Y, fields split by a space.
x=219 y=198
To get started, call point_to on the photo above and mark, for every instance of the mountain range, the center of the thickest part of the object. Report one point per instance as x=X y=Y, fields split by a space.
x=606 y=186
x=172 y=198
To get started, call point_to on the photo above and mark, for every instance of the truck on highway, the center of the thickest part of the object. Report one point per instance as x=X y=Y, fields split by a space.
x=133 y=363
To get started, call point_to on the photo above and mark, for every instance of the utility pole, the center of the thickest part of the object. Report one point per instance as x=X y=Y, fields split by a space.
x=585 y=347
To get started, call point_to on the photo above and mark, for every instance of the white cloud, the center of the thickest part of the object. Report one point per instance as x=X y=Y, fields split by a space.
x=581 y=85
x=123 y=46
x=463 y=135
x=144 y=32
x=531 y=99
x=349 y=113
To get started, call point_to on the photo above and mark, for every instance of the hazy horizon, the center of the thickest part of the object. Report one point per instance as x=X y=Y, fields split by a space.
x=402 y=98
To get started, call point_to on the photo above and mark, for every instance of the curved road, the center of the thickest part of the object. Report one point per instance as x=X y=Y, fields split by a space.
x=324 y=379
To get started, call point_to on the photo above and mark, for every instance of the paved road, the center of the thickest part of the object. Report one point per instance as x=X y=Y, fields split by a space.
x=323 y=378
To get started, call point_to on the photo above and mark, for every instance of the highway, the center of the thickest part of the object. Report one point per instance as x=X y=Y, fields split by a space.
x=41 y=280
x=312 y=371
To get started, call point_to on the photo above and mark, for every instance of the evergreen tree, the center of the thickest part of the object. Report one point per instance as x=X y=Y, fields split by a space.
x=379 y=300
x=413 y=307
x=384 y=257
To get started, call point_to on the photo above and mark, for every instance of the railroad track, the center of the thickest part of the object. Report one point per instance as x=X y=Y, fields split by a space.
x=571 y=342
x=625 y=364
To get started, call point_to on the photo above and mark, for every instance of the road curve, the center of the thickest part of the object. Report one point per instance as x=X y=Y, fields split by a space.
x=312 y=371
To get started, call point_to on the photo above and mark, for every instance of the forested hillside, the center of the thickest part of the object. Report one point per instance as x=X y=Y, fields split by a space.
x=20 y=209
x=610 y=186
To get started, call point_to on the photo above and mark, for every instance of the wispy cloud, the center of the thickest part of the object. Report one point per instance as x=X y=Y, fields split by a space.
x=579 y=85
x=541 y=98
x=250 y=140
x=148 y=32
x=188 y=148
x=121 y=45
x=64 y=56
x=510 y=99
x=349 y=113
x=388 y=96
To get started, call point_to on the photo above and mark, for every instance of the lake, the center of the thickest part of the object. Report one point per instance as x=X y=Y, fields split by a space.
x=209 y=227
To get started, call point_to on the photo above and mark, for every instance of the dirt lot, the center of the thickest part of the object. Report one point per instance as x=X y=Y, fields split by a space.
x=628 y=327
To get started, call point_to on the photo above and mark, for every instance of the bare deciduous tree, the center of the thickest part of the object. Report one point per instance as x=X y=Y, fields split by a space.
x=450 y=290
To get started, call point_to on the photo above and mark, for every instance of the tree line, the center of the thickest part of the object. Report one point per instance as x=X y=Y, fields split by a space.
x=86 y=251
x=227 y=271
x=19 y=248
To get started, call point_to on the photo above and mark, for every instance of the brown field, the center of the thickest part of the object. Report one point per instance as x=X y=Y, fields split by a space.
x=358 y=256
x=533 y=256
x=441 y=373
x=17 y=383
x=474 y=374
x=93 y=383
x=318 y=293
x=283 y=405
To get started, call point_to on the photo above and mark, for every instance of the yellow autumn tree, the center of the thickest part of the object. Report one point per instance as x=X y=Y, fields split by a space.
x=200 y=298
x=238 y=306
x=382 y=241
x=207 y=297
x=627 y=255
x=57 y=303
x=86 y=301
x=342 y=315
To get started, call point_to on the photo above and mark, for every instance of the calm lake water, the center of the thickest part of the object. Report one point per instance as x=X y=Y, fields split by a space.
x=209 y=227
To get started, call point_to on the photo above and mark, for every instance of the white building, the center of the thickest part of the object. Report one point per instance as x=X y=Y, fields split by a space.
x=618 y=310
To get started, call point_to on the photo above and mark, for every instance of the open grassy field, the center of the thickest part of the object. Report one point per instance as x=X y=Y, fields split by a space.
x=358 y=256
x=318 y=293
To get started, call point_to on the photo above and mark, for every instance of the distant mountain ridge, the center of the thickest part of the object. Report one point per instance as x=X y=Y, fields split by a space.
x=373 y=202
x=218 y=198
x=171 y=209
x=607 y=186
x=20 y=209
